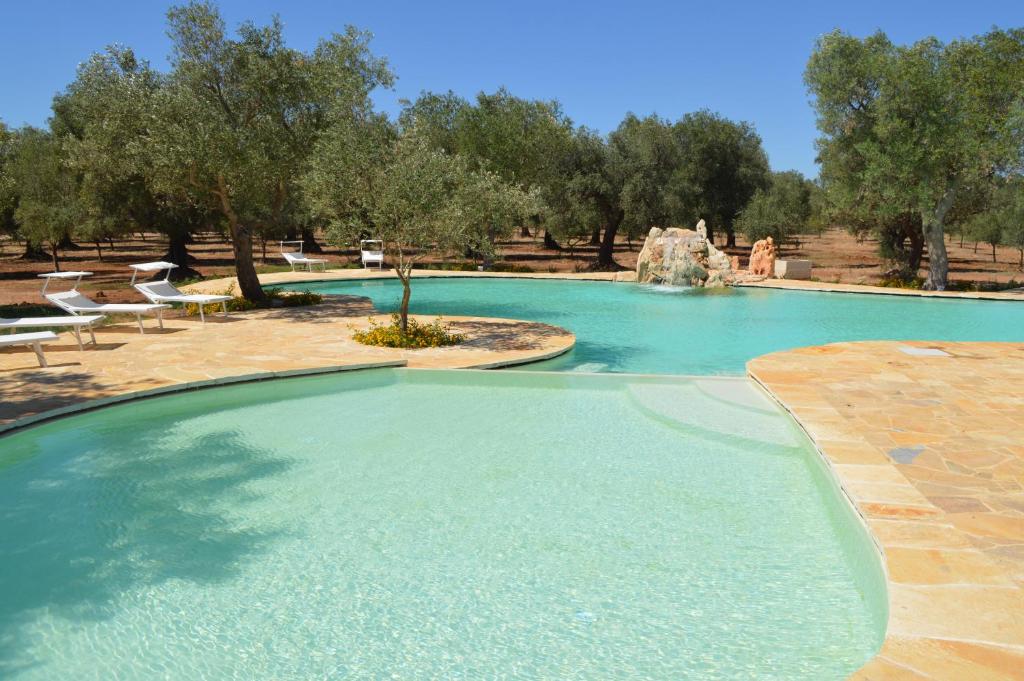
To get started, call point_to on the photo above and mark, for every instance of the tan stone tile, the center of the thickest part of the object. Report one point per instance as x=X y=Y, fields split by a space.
x=940 y=566
x=989 y=614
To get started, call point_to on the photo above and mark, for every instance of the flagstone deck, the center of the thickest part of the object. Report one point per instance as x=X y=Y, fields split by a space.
x=257 y=344
x=930 y=449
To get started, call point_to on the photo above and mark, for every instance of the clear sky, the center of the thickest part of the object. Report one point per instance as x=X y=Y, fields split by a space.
x=600 y=60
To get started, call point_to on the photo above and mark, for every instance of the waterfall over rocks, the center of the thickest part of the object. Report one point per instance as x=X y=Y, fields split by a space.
x=683 y=257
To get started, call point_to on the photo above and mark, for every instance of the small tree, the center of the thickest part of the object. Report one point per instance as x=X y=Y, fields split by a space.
x=418 y=200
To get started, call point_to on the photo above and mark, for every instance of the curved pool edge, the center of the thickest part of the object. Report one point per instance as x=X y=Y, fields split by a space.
x=256 y=345
x=173 y=388
x=951 y=603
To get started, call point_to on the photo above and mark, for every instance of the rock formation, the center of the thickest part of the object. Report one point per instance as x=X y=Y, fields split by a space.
x=683 y=257
x=762 y=258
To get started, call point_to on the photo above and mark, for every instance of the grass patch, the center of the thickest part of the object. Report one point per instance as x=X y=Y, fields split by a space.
x=434 y=335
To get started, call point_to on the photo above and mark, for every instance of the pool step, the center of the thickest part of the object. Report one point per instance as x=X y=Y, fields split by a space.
x=685 y=405
x=741 y=393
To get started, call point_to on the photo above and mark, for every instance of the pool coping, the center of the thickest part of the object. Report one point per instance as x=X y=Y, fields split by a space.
x=930 y=633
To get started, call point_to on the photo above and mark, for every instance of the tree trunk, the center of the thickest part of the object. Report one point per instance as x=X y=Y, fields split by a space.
x=309 y=244
x=550 y=243
x=916 y=252
x=53 y=255
x=993 y=252
x=403 y=310
x=730 y=237
x=606 y=253
x=34 y=252
x=241 y=246
x=595 y=236
x=933 y=228
x=99 y=251
x=177 y=253
x=524 y=232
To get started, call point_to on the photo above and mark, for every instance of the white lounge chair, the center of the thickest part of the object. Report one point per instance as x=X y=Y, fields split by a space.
x=166 y=292
x=371 y=251
x=35 y=339
x=298 y=258
x=75 y=322
x=75 y=303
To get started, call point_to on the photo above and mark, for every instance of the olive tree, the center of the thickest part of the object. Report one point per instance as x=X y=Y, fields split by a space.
x=780 y=211
x=48 y=208
x=916 y=129
x=721 y=165
x=239 y=117
x=415 y=198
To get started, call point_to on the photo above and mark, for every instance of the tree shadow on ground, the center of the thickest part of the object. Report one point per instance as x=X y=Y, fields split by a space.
x=25 y=391
x=90 y=515
x=506 y=337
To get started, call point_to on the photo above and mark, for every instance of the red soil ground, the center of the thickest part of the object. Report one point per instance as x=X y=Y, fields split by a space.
x=837 y=257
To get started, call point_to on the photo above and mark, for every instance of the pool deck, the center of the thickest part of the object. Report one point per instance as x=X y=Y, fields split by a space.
x=243 y=346
x=928 y=446
x=930 y=449
x=804 y=285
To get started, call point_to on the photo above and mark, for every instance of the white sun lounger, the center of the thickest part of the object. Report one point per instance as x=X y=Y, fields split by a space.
x=76 y=323
x=35 y=339
x=75 y=303
x=298 y=258
x=371 y=252
x=166 y=292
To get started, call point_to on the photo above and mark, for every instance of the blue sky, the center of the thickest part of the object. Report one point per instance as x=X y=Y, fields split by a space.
x=742 y=59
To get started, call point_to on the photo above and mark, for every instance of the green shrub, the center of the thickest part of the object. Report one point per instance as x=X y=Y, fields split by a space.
x=511 y=267
x=275 y=296
x=433 y=335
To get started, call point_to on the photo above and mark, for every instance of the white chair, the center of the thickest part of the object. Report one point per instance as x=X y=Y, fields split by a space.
x=166 y=292
x=35 y=339
x=75 y=322
x=74 y=302
x=297 y=258
x=371 y=251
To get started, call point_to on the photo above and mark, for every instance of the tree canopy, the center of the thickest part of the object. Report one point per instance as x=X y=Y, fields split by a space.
x=916 y=129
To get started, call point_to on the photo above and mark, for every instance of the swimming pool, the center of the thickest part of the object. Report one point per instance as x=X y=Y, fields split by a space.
x=642 y=329
x=422 y=524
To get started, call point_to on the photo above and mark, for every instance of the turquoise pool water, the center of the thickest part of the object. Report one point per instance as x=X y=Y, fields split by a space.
x=406 y=524
x=638 y=329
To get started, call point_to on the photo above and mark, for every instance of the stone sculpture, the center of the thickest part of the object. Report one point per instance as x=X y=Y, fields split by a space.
x=762 y=258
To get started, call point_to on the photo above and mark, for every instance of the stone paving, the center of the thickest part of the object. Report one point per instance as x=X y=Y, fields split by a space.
x=261 y=343
x=927 y=439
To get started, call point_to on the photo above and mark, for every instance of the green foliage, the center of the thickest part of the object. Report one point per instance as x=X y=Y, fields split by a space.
x=780 y=211
x=420 y=200
x=722 y=164
x=917 y=129
x=239 y=117
x=47 y=203
x=412 y=335
x=1003 y=222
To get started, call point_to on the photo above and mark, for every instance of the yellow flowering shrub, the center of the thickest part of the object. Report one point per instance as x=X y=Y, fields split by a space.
x=433 y=335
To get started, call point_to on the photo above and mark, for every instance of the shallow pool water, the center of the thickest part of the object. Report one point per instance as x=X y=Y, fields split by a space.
x=645 y=329
x=415 y=524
